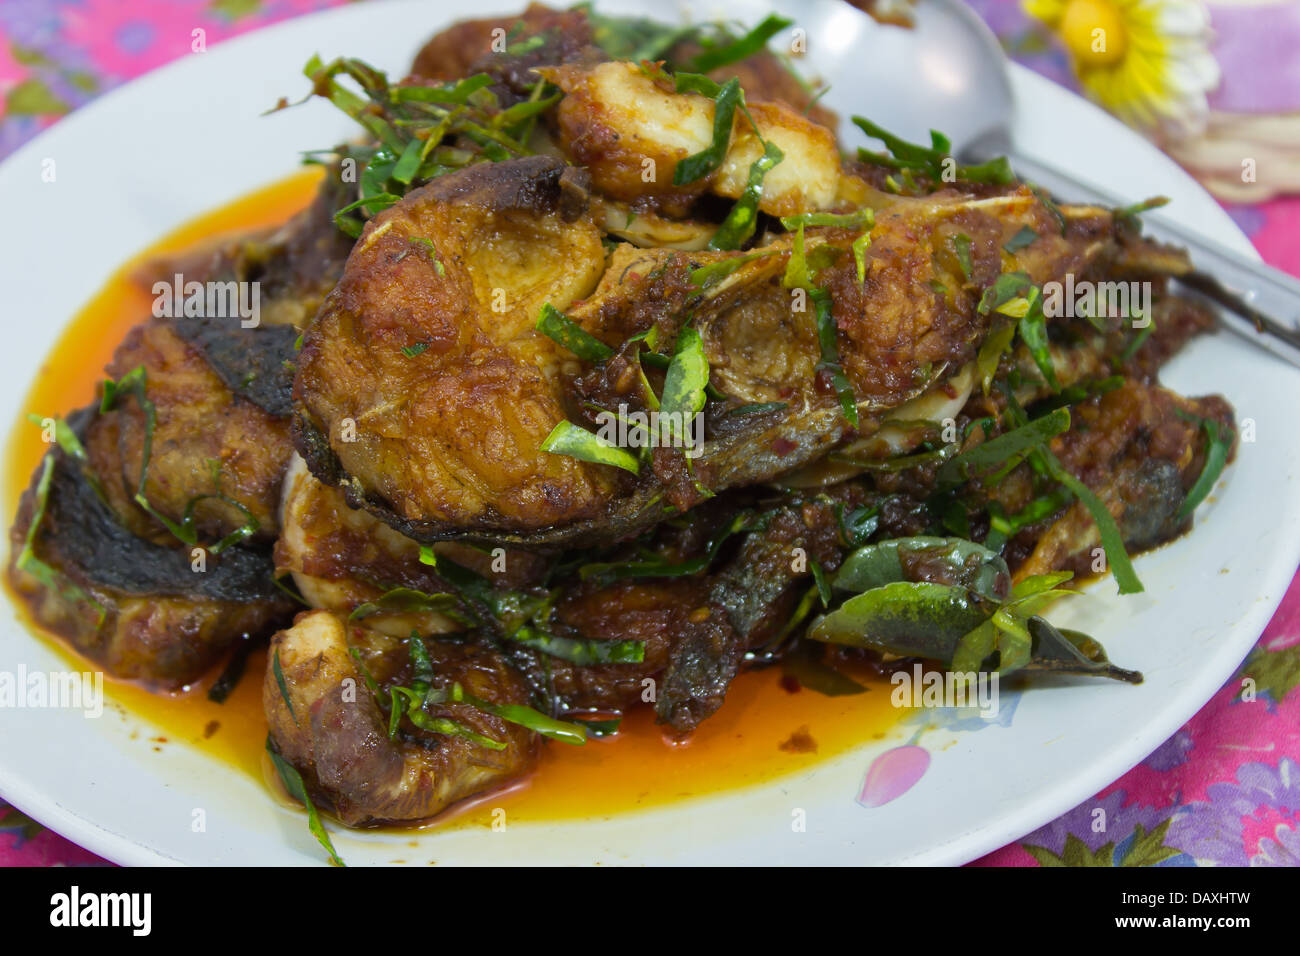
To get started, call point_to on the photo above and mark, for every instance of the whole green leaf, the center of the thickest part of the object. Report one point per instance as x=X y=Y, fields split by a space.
x=975 y=651
x=1070 y=652
x=911 y=619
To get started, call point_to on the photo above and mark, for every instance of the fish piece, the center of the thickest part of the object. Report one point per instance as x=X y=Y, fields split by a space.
x=328 y=724
x=141 y=610
x=691 y=651
x=211 y=450
x=629 y=130
x=484 y=45
x=445 y=442
x=1140 y=448
x=447 y=433
x=342 y=558
x=294 y=264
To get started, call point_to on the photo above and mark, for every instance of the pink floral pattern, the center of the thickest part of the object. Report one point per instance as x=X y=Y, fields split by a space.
x=1224 y=790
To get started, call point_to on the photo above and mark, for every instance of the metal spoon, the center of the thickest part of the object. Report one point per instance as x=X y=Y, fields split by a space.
x=957 y=82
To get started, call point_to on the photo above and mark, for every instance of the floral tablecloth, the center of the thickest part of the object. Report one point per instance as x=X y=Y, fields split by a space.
x=1223 y=790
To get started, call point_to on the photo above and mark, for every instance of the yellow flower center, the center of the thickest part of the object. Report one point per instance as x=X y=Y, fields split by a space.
x=1093 y=32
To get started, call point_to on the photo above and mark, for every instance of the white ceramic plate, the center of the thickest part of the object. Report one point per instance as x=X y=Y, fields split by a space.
x=154 y=154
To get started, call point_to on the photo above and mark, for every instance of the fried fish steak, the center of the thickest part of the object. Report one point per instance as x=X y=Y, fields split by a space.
x=202 y=443
x=422 y=383
x=327 y=724
x=221 y=392
x=426 y=394
x=695 y=630
x=142 y=610
x=343 y=558
x=1140 y=448
x=212 y=453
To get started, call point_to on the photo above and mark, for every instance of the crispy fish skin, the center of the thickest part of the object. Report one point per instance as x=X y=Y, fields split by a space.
x=472 y=46
x=126 y=592
x=335 y=734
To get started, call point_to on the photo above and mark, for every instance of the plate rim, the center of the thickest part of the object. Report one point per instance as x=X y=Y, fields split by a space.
x=969 y=845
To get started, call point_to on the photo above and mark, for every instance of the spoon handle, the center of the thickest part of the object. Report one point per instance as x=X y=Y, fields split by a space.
x=1264 y=302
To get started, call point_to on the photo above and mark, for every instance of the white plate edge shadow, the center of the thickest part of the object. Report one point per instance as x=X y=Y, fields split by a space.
x=972 y=842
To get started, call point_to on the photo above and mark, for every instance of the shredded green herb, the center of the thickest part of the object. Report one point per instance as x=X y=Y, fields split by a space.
x=705 y=276
x=600 y=728
x=931 y=161
x=961 y=246
x=725 y=100
x=1217 y=447
x=135 y=383
x=419 y=132
x=47 y=574
x=580 y=651
x=574 y=441
x=1023 y=238
x=292 y=781
x=1112 y=541
x=1014 y=294
x=830 y=355
x=410 y=601
x=605 y=573
x=735 y=51
x=565 y=732
x=558 y=327
x=758 y=408
x=739 y=225
x=278 y=672
x=633 y=38
x=995 y=451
